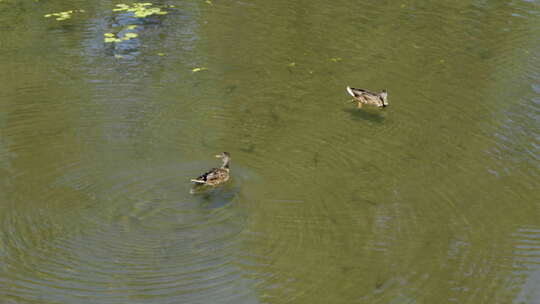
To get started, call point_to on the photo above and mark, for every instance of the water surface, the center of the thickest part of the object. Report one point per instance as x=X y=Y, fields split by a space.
x=432 y=200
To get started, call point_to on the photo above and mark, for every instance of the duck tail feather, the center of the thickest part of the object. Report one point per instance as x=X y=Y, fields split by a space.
x=350 y=91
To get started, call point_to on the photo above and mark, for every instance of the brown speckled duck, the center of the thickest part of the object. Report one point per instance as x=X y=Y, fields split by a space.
x=216 y=176
x=366 y=97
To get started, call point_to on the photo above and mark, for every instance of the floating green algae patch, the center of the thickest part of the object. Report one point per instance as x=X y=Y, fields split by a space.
x=128 y=36
x=195 y=70
x=141 y=9
x=60 y=16
x=111 y=37
x=121 y=35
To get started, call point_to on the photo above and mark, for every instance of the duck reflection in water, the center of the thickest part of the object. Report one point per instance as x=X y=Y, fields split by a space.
x=371 y=116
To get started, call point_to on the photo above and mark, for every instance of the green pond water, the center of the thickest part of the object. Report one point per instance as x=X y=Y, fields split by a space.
x=435 y=199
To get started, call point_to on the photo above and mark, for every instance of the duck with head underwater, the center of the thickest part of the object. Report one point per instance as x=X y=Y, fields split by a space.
x=215 y=176
x=362 y=97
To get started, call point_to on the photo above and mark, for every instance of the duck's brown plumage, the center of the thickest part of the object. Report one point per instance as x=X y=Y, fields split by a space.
x=362 y=97
x=215 y=176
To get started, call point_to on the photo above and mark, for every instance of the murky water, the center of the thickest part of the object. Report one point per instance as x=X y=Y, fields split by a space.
x=433 y=200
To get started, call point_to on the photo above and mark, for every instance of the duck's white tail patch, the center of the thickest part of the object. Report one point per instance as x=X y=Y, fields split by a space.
x=350 y=91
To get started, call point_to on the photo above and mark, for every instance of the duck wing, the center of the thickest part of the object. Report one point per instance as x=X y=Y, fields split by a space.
x=211 y=175
x=205 y=177
x=354 y=92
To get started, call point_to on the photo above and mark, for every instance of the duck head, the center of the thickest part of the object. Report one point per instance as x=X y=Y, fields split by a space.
x=384 y=98
x=226 y=157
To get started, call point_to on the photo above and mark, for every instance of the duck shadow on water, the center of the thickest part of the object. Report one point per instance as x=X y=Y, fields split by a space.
x=214 y=197
x=359 y=114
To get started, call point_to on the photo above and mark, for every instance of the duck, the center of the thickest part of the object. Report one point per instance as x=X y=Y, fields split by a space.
x=362 y=97
x=215 y=176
